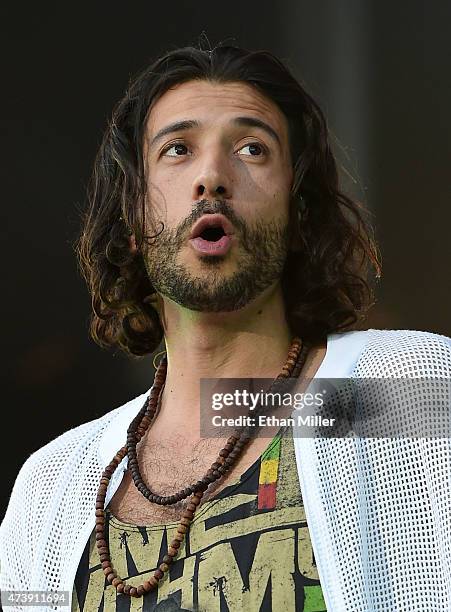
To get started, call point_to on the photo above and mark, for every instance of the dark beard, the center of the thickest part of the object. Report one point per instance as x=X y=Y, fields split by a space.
x=260 y=253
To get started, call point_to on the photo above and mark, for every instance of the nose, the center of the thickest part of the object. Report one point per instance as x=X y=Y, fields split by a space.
x=212 y=181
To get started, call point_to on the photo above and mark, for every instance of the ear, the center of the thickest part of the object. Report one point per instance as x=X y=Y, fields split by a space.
x=295 y=243
x=132 y=243
x=130 y=236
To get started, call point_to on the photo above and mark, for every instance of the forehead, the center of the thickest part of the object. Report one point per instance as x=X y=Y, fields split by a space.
x=211 y=102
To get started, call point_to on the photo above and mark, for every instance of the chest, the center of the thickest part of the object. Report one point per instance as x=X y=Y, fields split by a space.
x=168 y=470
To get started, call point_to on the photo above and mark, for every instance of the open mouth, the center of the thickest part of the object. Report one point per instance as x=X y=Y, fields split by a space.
x=212 y=234
x=212 y=227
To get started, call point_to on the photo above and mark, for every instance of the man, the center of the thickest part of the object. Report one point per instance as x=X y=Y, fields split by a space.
x=216 y=224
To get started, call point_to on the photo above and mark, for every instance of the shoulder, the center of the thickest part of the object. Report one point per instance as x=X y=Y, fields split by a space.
x=55 y=482
x=404 y=353
x=73 y=452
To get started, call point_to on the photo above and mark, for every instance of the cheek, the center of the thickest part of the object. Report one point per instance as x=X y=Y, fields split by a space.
x=165 y=198
x=280 y=205
x=270 y=178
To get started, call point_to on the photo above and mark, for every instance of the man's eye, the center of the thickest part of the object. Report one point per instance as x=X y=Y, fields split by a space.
x=255 y=149
x=178 y=148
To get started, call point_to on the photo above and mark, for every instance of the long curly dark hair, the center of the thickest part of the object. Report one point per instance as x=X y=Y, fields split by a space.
x=326 y=286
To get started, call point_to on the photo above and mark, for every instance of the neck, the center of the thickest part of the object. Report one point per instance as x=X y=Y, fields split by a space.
x=252 y=342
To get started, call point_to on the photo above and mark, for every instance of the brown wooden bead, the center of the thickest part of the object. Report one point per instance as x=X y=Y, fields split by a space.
x=201 y=485
x=147 y=586
x=226 y=458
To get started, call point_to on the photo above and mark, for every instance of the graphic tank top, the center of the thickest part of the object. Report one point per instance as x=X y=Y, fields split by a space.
x=247 y=549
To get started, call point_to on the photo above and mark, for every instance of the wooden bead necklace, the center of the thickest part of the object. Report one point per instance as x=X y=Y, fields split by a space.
x=227 y=457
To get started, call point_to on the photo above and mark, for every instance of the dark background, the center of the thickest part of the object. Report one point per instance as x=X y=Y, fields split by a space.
x=380 y=72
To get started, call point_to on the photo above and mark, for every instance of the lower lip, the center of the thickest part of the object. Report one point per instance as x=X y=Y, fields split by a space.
x=220 y=247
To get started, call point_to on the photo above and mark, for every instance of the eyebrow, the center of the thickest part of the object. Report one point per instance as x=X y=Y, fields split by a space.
x=190 y=124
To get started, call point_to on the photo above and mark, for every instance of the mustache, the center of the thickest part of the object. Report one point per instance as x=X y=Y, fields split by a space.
x=204 y=207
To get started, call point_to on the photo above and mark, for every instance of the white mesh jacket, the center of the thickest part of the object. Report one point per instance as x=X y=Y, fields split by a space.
x=378 y=509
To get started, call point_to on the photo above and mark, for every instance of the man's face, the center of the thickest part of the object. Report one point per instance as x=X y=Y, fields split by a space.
x=230 y=156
